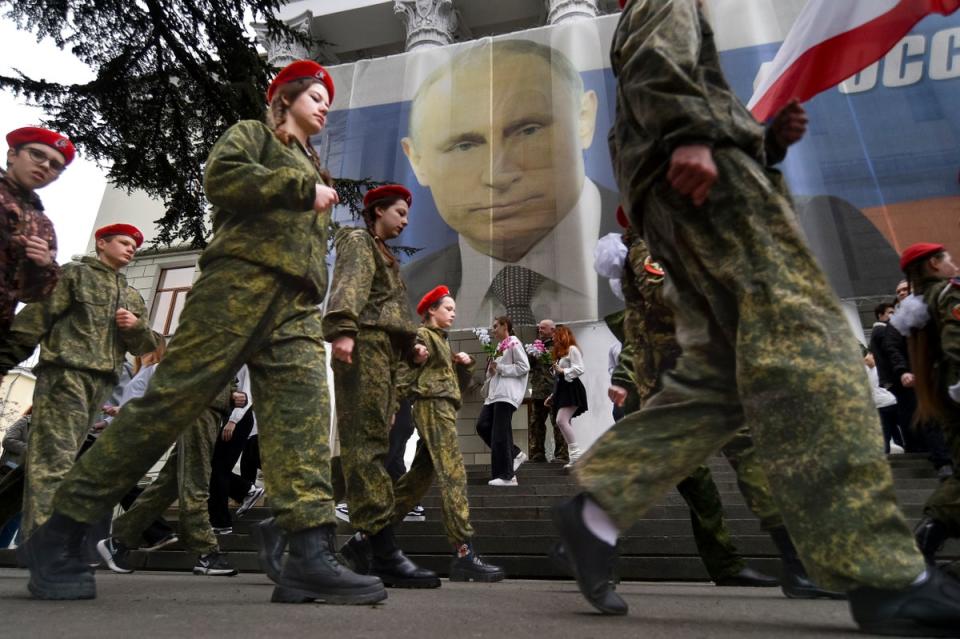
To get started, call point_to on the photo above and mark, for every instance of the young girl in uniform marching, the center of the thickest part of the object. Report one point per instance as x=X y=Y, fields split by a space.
x=435 y=387
x=369 y=324
x=930 y=317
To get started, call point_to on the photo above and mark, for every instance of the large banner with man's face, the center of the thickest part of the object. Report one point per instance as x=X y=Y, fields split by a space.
x=503 y=143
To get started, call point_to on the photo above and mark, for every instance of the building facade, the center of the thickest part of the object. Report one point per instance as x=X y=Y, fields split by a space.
x=876 y=172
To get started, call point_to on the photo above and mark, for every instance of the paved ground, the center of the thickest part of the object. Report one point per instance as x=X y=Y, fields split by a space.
x=180 y=605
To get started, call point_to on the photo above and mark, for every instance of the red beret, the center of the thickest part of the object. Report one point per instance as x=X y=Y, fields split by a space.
x=918 y=252
x=120 y=229
x=389 y=190
x=301 y=70
x=432 y=297
x=622 y=217
x=36 y=135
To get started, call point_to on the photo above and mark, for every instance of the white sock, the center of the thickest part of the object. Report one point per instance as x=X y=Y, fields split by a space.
x=922 y=577
x=599 y=523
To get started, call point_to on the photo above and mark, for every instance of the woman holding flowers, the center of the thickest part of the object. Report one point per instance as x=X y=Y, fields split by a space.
x=506 y=384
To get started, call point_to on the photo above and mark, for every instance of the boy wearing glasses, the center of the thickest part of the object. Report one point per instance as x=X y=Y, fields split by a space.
x=84 y=327
x=28 y=243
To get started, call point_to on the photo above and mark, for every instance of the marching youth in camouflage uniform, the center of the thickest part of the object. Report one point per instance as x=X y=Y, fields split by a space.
x=541 y=385
x=82 y=347
x=368 y=321
x=256 y=302
x=28 y=243
x=932 y=275
x=435 y=389
x=651 y=349
x=185 y=479
x=763 y=342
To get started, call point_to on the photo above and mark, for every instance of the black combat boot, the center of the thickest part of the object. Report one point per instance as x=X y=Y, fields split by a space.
x=795 y=583
x=54 y=554
x=271 y=541
x=930 y=608
x=593 y=561
x=358 y=554
x=394 y=567
x=312 y=573
x=930 y=535
x=747 y=577
x=468 y=566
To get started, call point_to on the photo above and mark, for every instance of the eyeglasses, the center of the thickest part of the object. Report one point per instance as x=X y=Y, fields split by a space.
x=40 y=158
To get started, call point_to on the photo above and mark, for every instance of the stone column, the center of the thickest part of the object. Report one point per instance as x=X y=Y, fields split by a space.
x=281 y=53
x=429 y=23
x=565 y=10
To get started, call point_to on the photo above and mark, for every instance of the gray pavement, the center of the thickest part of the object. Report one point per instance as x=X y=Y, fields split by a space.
x=167 y=604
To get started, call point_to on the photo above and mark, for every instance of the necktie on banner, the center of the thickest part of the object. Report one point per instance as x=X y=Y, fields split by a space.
x=514 y=287
x=833 y=40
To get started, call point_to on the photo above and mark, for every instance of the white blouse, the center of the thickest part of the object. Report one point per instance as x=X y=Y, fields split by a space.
x=571 y=364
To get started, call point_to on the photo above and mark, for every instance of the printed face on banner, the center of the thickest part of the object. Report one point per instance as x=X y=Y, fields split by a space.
x=498 y=137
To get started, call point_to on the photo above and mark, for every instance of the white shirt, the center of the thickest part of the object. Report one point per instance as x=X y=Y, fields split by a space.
x=881 y=396
x=571 y=364
x=564 y=257
x=243 y=386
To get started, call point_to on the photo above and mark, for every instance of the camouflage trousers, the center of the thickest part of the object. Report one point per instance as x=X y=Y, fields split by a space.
x=366 y=401
x=439 y=456
x=237 y=312
x=944 y=504
x=765 y=343
x=710 y=532
x=66 y=402
x=185 y=478
x=537 y=437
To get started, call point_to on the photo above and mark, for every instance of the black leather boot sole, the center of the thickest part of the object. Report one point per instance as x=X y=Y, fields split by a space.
x=462 y=569
x=392 y=578
x=930 y=609
x=796 y=587
x=271 y=541
x=293 y=592
x=747 y=578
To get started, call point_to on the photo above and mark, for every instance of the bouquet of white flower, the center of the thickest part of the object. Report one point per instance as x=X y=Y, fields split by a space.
x=483 y=335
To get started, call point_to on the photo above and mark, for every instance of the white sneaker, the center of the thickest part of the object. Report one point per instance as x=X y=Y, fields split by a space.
x=895 y=449
x=503 y=482
x=253 y=495
x=518 y=460
x=417 y=514
x=342 y=512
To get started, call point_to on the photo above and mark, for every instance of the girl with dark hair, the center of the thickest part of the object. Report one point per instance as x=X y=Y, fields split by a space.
x=368 y=322
x=569 y=398
x=506 y=386
x=931 y=319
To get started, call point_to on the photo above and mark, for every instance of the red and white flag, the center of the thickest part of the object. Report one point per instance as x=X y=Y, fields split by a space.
x=831 y=41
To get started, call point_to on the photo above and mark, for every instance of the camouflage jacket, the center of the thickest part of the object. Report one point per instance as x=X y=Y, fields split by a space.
x=76 y=325
x=438 y=377
x=20 y=279
x=262 y=193
x=943 y=301
x=541 y=379
x=670 y=92
x=367 y=291
x=650 y=347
